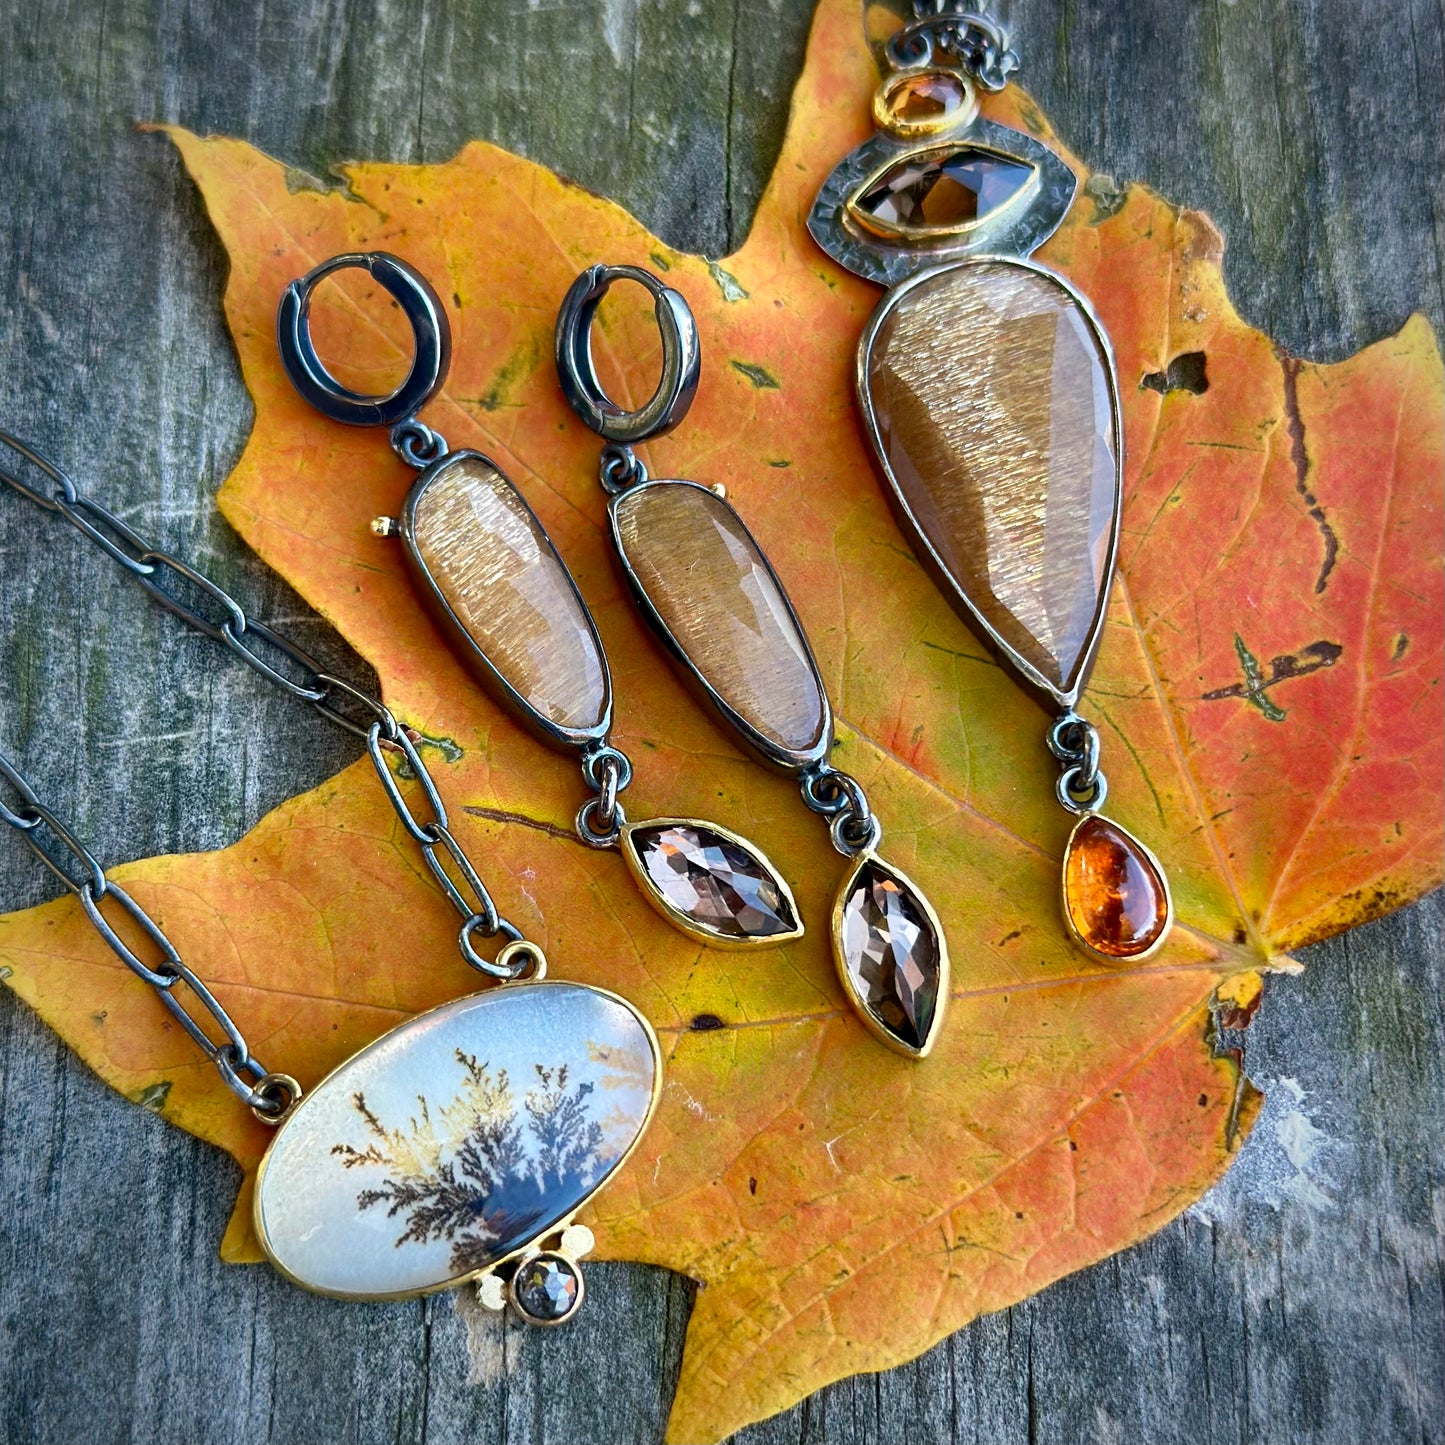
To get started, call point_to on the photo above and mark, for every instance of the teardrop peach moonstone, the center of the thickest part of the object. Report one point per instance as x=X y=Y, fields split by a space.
x=995 y=421
x=493 y=562
x=1116 y=898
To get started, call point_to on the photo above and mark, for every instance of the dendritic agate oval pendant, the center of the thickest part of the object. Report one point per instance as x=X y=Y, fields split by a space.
x=892 y=956
x=713 y=598
x=456 y=1140
x=494 y=582
x=711 y=883
x=1116 y=897
x=989 y=396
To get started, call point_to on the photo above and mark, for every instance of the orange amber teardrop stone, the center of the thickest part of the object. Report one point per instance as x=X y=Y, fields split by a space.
x=1115 y=895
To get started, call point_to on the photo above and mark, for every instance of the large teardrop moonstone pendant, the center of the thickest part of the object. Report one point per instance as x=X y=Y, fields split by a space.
x=1116 y=897
x=989 y=396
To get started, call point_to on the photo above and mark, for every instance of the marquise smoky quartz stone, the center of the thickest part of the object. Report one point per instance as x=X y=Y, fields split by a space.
x=944 y=190
x=892 y=955
x=712 y=883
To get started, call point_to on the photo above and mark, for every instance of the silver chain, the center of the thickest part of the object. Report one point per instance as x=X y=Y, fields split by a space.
x=840 y=798
x=951 y=30
x=269 y=1096
x=1082 y=787
x=342 y=703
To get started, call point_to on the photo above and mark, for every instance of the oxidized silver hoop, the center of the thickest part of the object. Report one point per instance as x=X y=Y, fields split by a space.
x=430 y=332
x=578 y=375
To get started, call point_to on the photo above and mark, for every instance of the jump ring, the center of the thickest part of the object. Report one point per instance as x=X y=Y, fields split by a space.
x=1080 y=794
x=593 y=837
x=593 y=763
x=847 y=837
x=495 y=969
x=274 y=1097
x=533 y=965
x=417 y=444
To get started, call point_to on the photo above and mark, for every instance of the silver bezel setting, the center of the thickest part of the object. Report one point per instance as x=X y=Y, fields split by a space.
x=787 y=760
x=1032 y=678
x=464 y=645
x=1016 y=229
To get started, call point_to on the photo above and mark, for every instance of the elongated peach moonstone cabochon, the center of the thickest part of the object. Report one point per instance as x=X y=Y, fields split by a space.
x=706 y=578
x=996 y=422
x=498 y=571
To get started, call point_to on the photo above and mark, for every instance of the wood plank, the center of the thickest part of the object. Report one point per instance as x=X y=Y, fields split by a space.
x=1302 y=1301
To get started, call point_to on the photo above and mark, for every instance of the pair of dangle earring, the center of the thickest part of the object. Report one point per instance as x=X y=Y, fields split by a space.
x=492 y=580
x=709 y=593
x=989 y=394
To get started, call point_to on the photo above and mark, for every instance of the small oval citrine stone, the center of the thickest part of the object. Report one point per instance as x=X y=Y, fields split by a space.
x=1116 y=898
x=923 y=102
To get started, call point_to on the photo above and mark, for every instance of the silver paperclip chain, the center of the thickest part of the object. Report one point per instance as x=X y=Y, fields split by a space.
x=269 y=1096
x=213 y=611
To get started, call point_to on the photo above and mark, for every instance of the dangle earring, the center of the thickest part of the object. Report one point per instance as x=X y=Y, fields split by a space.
x=711 y=596
x=431 y=1158
x=493 y=582
x=989 y=394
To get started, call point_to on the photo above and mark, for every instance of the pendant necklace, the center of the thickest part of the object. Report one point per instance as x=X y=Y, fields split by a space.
x=458 y=1146
x=491 y=579
x=989 y=394
x=705 y=587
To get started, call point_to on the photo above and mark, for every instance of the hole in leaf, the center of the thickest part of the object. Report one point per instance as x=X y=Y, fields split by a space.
x=1185 y=373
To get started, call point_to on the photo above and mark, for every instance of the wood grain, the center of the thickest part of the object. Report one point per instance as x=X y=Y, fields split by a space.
x=1301 y=1301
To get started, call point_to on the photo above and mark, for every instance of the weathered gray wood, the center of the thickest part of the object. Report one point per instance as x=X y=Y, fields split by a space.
x=1301 y=1301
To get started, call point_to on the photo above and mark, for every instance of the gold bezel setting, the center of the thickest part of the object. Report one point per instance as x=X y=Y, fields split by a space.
x=874 y=1025
x=1113 y=959
x=888 y=121
x=684 y=921
x=527 y=1247
x=926 y=236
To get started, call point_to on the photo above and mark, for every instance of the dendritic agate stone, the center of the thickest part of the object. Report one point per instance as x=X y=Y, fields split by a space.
x=993 y=417
x=716 y=598
x=1115 y=896
x=922 y=194
x=494 y=565
x=712 y=883
x=435 y=1152
x=893 y=960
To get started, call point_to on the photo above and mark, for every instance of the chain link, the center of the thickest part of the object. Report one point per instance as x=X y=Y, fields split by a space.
x=601 y=819
x=269 y=1096
x=971 y=39
x=219 y=616
x=840 y=798
x=1082 y=786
